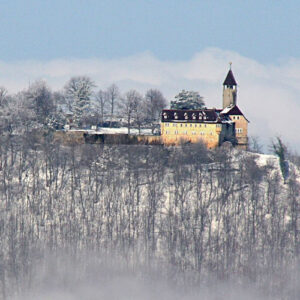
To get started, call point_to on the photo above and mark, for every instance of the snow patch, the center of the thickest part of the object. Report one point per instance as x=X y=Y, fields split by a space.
x=121 y=130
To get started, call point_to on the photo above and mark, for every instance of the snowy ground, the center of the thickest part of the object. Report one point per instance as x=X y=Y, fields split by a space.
x=121 y=130
x=264 y=159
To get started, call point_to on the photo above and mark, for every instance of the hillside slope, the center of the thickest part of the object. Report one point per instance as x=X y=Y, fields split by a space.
x=203 y=215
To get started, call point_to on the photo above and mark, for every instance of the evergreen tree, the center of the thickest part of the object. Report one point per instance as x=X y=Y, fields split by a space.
x=187 y=100
x=280 y=150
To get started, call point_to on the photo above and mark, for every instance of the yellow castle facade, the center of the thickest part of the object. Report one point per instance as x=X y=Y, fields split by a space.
x=211 y=126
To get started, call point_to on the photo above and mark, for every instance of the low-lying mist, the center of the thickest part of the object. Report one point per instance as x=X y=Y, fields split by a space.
x=89 y=275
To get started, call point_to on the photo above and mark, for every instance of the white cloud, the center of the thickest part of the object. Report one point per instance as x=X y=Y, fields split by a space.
x=267 y=94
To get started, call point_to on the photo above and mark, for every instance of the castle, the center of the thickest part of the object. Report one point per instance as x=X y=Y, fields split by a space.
x=211 y=126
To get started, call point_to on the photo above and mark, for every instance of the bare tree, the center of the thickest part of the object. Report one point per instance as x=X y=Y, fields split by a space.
x=140 y=115
x=154 y=103
x=254 y=144
x=101 y=104
x=208 y=213
x=130 y=104
x=113 y=97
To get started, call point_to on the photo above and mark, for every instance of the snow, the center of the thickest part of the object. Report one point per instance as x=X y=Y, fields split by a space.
x=50 y=211
x=226 y=109
x=121 y=130
x=268 y=216
x=265 y=159
x=287 y=220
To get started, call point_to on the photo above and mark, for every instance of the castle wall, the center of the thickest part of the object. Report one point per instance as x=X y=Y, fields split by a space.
x=241 y=130
x=84 y=137
x=175 y=133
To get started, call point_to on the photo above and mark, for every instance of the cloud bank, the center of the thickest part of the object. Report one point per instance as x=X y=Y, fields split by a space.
x=267 y=93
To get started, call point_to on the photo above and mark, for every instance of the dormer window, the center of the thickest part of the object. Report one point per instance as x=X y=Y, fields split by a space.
x=175 y=116
x=165 y=115
x=186 y=116
x=194 y=116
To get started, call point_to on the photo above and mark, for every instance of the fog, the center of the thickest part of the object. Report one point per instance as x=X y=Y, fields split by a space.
x=98 y=276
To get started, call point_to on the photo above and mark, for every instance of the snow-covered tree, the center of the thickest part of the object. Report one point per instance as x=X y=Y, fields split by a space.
x=4 y=110
x=39 y=98
x=187 y=100
x=30 y=109
x=79 y=91
x=24 y=114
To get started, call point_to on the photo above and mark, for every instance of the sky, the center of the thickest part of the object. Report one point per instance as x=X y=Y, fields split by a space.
x=170 y=45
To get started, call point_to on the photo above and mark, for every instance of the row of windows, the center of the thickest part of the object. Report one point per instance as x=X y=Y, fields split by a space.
x=201 y=116
x=185 y=132
x=237 y=130
x=189 y=125
x=236 y=117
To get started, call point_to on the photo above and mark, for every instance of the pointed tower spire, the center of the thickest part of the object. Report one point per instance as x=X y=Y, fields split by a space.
x=230 y=80
x=229 y=89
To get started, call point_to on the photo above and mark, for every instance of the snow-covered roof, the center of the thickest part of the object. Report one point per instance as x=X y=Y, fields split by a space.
x=227 y=109
x=232 y=110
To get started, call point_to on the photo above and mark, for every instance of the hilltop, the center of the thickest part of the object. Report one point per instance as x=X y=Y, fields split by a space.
x=218 y=214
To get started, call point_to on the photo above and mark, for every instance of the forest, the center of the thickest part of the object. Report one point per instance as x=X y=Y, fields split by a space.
x=193 y=217
x=184 y=217
x=80 y=104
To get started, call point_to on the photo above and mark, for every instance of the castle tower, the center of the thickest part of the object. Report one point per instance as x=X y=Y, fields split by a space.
x=229 y=89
